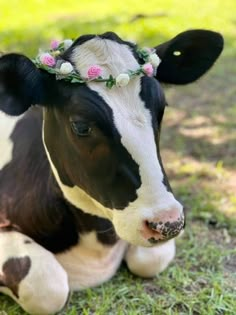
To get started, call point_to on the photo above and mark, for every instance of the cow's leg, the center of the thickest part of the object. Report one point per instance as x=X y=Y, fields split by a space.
x=149 y=261
x=31 y=275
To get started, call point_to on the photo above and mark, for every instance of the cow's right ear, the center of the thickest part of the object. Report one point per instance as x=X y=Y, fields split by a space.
x=21 y=84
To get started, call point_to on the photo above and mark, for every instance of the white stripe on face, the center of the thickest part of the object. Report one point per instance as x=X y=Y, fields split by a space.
x=7 y=125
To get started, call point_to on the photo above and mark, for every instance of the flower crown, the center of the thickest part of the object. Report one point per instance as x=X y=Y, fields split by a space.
x=64 y=70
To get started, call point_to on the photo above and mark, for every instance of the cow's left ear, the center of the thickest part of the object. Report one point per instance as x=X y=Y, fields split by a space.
x=188 y=56
x=21 y=84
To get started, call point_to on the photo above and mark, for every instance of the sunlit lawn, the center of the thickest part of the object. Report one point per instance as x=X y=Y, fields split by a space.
x=198 y=148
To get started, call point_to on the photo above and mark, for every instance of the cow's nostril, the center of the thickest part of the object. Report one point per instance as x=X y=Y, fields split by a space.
x=155 y=231
x=151 y=232
x=152 y=225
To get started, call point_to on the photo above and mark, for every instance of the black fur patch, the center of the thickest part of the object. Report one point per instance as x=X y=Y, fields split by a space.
x=14 y=271
x=198 y=49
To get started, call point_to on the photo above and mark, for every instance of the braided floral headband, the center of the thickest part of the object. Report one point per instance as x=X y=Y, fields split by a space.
x=64 y=70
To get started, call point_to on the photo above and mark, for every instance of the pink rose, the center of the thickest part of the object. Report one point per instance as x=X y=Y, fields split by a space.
x=47 y=60
x=147 y=49
x=94 y=72
x=54 y=44
x=148 y=69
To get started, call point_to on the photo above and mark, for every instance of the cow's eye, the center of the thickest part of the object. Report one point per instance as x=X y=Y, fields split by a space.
x=81 y=128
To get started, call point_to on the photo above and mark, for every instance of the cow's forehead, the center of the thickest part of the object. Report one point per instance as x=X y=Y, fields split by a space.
x=113 y=57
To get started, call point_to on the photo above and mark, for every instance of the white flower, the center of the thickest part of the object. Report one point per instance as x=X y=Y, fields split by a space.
x=66 y=68
x=67 y=43
x=122 y=79
x=154 y=60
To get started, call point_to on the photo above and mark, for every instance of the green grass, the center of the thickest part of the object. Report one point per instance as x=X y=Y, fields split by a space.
x=198 y=147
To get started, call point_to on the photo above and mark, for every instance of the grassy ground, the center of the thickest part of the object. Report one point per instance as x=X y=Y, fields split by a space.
x=198 y=148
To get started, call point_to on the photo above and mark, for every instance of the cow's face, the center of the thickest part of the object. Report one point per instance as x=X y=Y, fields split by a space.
x=103 y=144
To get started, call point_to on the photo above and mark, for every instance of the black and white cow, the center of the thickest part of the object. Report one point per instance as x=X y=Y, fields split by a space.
x=82 y=185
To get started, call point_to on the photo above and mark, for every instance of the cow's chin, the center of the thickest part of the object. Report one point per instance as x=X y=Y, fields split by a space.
x=130 y=228
x=133 y=235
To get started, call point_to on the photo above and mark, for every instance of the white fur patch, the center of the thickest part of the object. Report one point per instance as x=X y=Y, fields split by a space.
x=148 y=262
x=91 y=263
x=7 y=125
x=44 y=290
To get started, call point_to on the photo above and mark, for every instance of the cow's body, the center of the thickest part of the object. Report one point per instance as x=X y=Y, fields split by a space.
x=70 y=207
x=86 y=246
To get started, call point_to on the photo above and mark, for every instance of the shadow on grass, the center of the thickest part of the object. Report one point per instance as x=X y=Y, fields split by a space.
x=205 y=122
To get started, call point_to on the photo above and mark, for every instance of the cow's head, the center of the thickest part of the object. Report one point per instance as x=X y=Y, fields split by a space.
x=103 y=144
